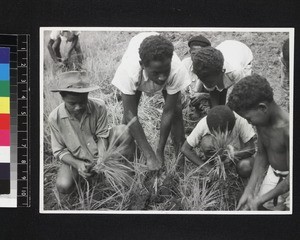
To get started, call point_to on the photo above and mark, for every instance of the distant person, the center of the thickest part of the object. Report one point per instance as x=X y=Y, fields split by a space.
x=150 y=65
x=252 y=98
x=219 y=120
x=285 y=64
x=221 y=67
x=199 y=97
x=79 y=131
x=54 y=46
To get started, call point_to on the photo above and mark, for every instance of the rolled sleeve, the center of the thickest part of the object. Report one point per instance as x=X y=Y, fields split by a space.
x=59 y=149
x=180 y=80
x=102 y=124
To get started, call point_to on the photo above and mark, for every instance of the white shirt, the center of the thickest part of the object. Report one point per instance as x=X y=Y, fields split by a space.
x=237 y=62
x=242 y=131
x=130 y=77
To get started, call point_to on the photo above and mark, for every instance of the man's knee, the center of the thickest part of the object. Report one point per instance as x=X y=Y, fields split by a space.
x=244 y=167
x=64 y=185
x=65 y=179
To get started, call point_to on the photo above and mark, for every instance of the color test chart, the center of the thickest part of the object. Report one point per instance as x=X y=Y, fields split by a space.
x=4 y=121
x=14 y=121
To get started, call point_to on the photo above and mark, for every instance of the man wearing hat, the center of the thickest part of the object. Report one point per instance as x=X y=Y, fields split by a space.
x=79 y=130
x=196 y=92
x=221 y=67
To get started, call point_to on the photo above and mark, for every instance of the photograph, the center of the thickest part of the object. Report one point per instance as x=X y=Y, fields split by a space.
x=166 y=120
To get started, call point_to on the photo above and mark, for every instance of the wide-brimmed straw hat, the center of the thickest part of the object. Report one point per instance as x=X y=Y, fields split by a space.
x=74 y=81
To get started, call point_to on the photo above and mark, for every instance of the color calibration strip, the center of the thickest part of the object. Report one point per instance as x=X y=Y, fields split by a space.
x=4 y=121
x=18 y=120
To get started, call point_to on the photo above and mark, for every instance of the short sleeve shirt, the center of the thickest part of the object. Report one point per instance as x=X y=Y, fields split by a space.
x=69 y=136
x=241 y=132
x=130 y=77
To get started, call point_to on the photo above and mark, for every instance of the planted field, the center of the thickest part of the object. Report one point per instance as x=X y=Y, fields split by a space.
x=117 y=188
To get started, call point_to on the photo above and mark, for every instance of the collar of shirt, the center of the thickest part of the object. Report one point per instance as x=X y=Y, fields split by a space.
x=221 y=85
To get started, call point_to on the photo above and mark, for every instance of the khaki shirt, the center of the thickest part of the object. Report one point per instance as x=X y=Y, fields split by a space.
x=69 y=136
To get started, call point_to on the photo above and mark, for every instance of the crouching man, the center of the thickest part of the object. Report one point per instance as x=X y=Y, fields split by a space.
x=79 y=130
x=240 y=134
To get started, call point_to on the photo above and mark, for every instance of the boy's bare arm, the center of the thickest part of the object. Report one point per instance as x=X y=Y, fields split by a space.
x=73 y=44
x=188 y=151
x=51 y=51
x=130 y=111
x=283 y=186
x=260 y=165
x=166 y=120
x=247 y=151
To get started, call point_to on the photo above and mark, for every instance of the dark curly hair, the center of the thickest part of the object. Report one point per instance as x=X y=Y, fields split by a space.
x=249 y=92
x=208 y=61
x=220 y=118
x=155 y=48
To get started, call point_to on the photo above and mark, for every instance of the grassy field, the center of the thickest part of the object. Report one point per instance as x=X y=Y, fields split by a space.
x=190 y=189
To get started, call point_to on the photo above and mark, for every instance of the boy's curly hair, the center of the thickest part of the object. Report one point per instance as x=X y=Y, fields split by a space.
x=209 y=60
x=249 y=92
x=155 y=48
x=220 y=118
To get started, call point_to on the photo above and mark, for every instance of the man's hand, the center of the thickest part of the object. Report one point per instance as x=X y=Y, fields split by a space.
x=198 y=97
x=84 y=169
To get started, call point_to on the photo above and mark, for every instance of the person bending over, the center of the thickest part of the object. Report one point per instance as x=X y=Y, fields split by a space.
x=54 y=46
x=253 y=99
x=221 y=67
x=150 y=65
x=241 y=133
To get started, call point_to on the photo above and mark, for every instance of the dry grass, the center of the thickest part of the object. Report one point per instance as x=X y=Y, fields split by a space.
x=115 y=187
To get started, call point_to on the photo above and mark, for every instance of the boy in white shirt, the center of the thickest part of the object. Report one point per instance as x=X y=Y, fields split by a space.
x=222 y=118
x=221 y=67
x=150 y=65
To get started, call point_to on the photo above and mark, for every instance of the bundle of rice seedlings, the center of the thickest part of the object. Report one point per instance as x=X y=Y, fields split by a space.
x=220 y=146
x=115 y=167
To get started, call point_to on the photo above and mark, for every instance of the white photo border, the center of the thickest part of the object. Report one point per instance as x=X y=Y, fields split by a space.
x=289 y=30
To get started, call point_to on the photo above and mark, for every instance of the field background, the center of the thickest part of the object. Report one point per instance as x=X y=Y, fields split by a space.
x=191 y=190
